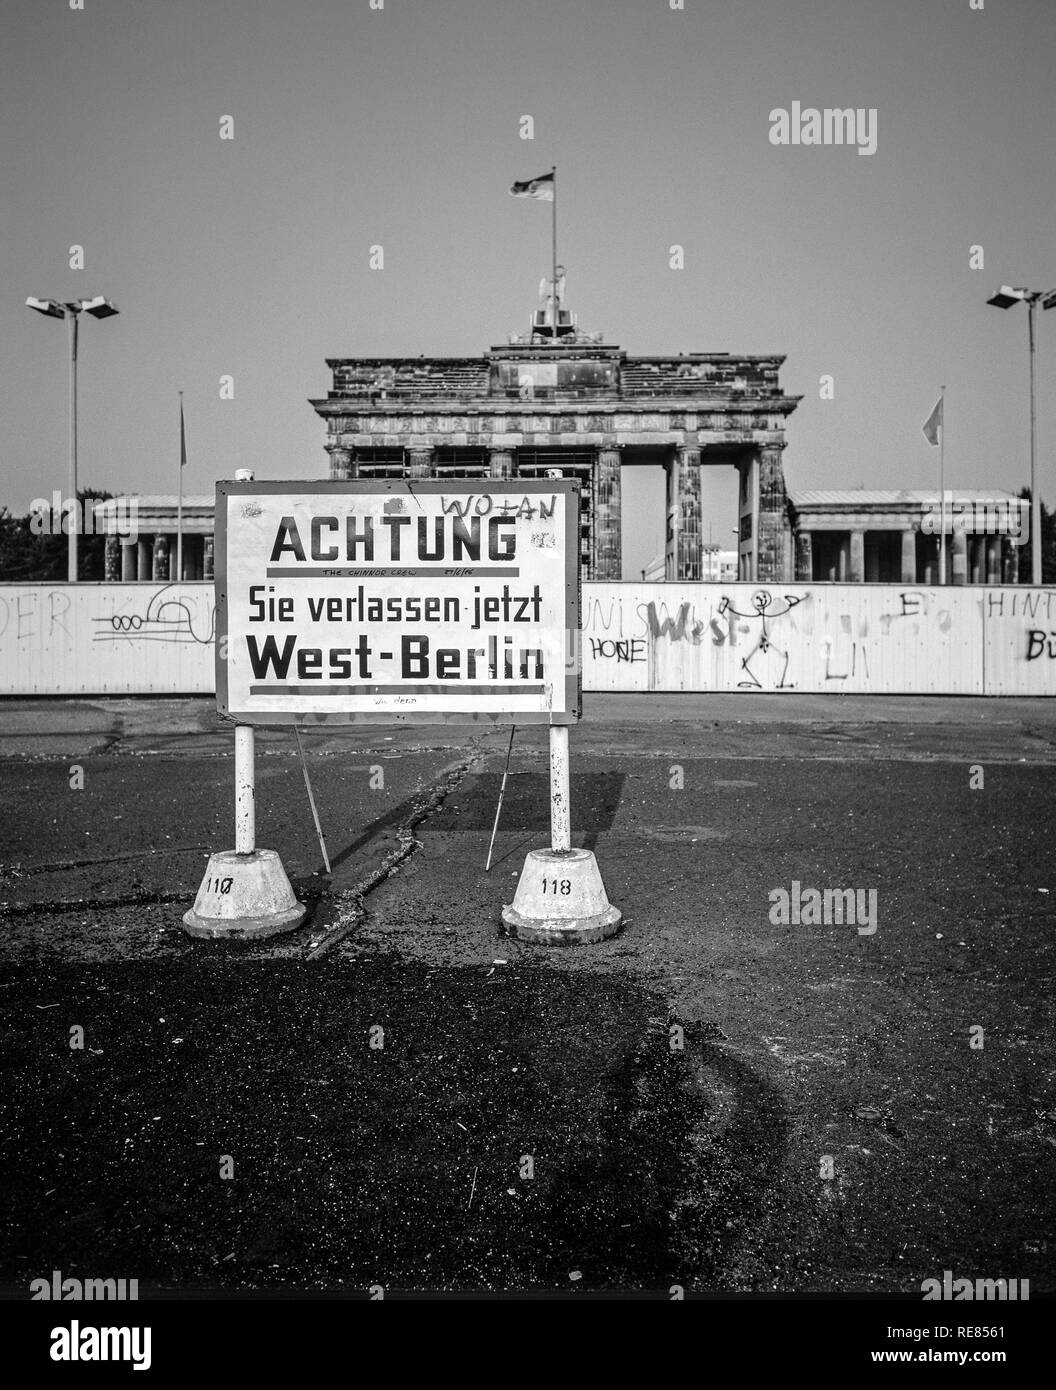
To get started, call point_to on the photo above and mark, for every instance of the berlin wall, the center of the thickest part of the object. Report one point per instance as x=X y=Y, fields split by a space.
x=868 y=639
x=128 y=639
x=106 y=639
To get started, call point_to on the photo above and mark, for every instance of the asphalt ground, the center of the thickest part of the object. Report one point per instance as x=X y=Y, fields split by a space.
x=708 y=1100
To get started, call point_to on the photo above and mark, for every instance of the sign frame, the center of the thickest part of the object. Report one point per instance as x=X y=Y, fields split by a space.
x=227 y=489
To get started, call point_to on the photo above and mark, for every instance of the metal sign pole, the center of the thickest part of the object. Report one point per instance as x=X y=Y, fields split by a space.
x=245 y=894
x=560 y=816
x=245 y=791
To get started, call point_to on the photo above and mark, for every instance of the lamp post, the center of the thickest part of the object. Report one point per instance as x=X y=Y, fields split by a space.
x=1005 y=297
x=100 y=308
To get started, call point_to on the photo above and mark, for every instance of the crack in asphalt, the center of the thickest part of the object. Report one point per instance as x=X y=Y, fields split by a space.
x=351 y=911
x=90 y=904
x=27 y=870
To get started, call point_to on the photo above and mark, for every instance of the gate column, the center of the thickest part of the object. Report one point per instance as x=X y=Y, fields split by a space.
x=608 y=560
x=771 y=525
x=683 y=510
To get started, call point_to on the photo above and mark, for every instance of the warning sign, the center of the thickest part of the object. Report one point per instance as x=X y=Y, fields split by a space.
x=398 y=601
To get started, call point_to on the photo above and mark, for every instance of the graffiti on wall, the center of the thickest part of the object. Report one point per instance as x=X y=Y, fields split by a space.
x=628 y=649
x=174 y=613
x=673 y=628
x=836 y=637
x=765 y=611
x=31 y=613
x=866 y=638
x=120 y=639
x=1031 y=607
x=1021 y=646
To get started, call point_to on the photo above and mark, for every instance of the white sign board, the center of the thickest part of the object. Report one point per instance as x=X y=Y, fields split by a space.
x=398 y=601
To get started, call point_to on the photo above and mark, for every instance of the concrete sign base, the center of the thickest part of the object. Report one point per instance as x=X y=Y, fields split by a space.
x=244 y=896
x=561 y=901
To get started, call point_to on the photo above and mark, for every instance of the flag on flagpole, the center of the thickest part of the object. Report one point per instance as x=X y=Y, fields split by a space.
x=179 y=497
x=933 y=423
x=542 y=187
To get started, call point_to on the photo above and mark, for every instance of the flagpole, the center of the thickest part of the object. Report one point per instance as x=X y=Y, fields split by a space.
x=554 y=249
x=942 y=487
x=179 y=505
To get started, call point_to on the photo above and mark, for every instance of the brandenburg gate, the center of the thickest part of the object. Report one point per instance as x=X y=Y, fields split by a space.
x=555 y=400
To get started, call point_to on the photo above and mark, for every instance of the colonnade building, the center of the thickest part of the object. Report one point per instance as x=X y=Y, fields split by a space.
x=865 y=536
x=153 y=553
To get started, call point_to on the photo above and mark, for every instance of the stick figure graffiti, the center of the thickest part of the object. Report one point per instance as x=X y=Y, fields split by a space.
x=762 y=603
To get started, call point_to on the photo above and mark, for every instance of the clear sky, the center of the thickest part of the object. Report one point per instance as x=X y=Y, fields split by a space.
x=400 y=126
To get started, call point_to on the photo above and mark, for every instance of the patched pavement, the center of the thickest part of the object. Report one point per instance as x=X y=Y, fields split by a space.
x=681 y=1091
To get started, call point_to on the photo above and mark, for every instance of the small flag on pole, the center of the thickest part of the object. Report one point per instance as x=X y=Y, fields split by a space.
x=542 y=187
x=179 y=497
x=933 y=423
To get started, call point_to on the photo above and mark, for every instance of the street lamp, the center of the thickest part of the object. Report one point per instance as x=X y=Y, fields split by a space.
x=1005 y=297
x=99 y=308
